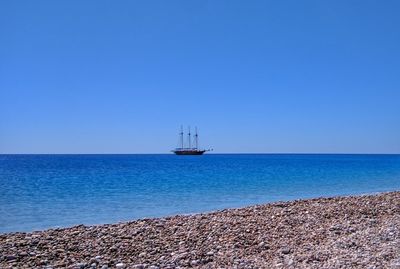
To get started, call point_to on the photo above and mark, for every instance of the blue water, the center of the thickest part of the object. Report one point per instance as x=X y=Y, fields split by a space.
x=46 y=191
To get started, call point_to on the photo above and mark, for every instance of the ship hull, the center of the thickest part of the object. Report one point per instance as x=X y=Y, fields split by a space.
x=189 y=152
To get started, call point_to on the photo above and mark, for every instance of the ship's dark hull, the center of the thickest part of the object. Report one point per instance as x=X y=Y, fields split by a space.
x=189 y=152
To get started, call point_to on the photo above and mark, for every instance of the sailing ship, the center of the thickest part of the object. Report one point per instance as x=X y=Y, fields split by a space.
x=189 y=150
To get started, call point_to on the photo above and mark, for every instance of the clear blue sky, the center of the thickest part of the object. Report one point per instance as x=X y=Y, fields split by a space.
x=254 y=76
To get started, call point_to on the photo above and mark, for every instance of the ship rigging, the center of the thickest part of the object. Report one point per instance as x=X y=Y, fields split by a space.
x=188 y=149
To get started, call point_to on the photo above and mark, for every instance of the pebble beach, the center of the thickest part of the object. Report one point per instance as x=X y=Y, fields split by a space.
x=340 y=232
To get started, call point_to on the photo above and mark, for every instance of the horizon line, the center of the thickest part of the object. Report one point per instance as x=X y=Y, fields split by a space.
x=221 y=153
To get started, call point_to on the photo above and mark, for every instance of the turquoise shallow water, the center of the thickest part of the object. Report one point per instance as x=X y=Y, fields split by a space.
x=45 y=191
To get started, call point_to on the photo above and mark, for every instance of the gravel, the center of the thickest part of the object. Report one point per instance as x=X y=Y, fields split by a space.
x=340 y=232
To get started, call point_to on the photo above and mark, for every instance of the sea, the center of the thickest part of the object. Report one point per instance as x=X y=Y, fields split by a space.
x=51 y=191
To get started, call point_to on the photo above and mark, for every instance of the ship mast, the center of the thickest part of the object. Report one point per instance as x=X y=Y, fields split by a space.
x=190 y=144
x=196 y=139
x=181 y=136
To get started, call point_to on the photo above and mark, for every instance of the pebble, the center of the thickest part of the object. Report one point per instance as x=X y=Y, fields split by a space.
x=290 y=262
x=195 y=262
x=340 y=232
x=80 y=265
x=11 y=257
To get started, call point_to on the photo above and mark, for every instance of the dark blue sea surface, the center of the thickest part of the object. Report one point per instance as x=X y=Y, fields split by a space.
x=47 y=191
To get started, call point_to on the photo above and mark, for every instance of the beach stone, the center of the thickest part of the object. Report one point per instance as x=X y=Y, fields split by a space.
x=195 y=262
x=289 y=262
x=23 y=254
x=11 y=257
x=120 y=265
x=261 y=236
x=80 y=265
x=396 y=264
x=141 y=255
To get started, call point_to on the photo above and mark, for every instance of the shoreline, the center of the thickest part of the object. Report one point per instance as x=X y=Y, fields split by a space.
x=341 y=231
x=190 y=214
